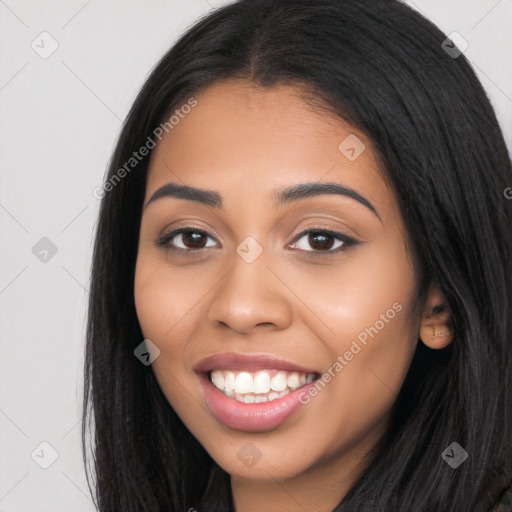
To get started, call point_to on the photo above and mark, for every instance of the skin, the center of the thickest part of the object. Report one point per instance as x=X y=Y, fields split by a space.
x=296 y=300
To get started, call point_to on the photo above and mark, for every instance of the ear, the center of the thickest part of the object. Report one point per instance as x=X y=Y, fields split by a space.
x=435 y=328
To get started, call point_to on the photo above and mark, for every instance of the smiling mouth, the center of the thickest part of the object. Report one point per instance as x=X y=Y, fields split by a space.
x=260 y=385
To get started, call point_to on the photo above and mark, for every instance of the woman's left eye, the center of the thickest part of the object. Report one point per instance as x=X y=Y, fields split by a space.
x=322 y=240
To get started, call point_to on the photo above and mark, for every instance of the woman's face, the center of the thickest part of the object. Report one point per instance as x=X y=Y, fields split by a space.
x=293 y=266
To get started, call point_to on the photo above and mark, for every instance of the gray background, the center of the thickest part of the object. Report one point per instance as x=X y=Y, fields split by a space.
x=60 y=119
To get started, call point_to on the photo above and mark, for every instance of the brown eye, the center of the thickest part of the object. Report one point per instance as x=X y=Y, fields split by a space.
x=193 y=239
x=186 y=239
x=322 y=240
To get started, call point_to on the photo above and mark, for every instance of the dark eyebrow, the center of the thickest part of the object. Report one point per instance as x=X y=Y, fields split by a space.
x=304 y=190
x=287 y=195
x=207 y=197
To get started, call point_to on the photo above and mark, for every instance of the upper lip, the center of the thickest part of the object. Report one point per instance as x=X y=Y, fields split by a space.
x=239 y=361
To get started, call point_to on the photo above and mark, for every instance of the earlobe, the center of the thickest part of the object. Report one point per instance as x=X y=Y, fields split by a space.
x=436 y=327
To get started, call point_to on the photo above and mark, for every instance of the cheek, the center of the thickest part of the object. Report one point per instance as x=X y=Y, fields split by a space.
x=365 y=315
x=372 y=288
x=369 y=377
x=168 y=308
x=168 y=302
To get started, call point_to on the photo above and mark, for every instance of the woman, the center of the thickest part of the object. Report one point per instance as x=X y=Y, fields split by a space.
x=301 y=276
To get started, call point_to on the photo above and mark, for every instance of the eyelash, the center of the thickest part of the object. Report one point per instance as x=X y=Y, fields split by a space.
x=165 y=240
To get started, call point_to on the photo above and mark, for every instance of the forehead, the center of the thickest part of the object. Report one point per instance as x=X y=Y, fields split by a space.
x=245 y=137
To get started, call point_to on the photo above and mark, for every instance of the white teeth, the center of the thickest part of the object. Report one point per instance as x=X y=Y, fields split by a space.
x=259 y=386
x=293 y=381
x=244 y=383
x=261 y=383
x=229 y=381
x=218 y=379
x=278 y=383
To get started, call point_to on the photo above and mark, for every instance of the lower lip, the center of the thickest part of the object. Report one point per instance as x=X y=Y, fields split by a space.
x=255 y=417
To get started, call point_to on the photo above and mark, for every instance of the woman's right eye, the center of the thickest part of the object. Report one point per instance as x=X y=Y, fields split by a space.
x=186 y=239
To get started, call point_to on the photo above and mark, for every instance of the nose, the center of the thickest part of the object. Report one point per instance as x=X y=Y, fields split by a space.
x=250 y=297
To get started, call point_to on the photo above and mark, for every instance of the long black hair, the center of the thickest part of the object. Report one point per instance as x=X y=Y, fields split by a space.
x=383 y=68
